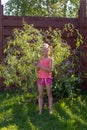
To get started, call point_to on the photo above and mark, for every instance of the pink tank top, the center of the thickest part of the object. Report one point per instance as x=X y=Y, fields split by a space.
x=45 y=63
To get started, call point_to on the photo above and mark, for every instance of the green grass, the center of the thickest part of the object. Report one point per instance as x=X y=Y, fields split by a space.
x=19 y=111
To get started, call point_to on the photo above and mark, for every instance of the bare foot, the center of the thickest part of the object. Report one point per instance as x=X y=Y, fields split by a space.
x=51 y=112
x=40 y=113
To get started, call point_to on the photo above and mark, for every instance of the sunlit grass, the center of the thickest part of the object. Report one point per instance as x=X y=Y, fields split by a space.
x=19 y=111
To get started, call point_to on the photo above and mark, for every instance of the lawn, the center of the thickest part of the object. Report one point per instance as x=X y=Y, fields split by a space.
x=19 y=111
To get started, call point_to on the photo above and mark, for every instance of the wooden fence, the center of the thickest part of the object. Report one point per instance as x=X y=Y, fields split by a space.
x=8 y=23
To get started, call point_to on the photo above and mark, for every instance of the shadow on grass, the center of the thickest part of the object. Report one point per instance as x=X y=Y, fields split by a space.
x=45 y=121
x=73 y=113
x=67 y=115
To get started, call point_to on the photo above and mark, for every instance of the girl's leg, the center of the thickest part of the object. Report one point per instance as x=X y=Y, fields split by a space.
x=40 y=99
x=50 y=98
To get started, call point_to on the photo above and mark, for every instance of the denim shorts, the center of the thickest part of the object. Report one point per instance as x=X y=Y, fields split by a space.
x=44 y=81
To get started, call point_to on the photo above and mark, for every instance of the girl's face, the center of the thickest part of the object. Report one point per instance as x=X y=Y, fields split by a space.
x=44 y=51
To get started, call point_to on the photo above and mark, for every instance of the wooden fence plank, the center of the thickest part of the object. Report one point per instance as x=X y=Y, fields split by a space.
x=1 y=41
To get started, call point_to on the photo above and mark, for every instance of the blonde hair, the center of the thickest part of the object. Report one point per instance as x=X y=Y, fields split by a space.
x=44 y=45
x=47 y=46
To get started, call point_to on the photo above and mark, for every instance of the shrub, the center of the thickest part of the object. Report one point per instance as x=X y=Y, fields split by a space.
x=67 y=74
x=22 y=51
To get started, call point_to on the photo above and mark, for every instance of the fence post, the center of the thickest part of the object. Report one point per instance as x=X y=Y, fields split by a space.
x=83 y=48
x=81 y=16
x=1 y=40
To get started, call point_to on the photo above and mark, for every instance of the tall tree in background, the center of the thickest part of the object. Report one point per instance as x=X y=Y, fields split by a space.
x=54 y=8
x=73 y=8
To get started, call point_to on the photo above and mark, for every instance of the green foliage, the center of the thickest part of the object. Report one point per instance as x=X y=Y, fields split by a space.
x=60 y=48
x=67 y=74
x=21 y=53
x=53 y=8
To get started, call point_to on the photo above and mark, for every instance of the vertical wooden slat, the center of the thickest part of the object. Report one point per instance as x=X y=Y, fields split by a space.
x=86 y=8
x=81 y=19
x=1 y=37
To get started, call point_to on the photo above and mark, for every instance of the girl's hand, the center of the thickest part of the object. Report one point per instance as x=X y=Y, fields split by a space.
x=38 y=66
x=36 y=63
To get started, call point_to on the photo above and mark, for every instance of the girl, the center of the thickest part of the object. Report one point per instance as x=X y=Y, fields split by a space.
x=45 y=76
